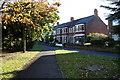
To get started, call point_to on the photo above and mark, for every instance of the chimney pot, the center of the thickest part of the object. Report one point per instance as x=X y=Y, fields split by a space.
x=72 y=19
x=58 y=23
x=95 y=12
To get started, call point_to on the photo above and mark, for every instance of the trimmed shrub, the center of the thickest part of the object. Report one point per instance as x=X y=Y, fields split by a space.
x=98 y=43
x=96 y=36
x=109 y=42
x=96 y=39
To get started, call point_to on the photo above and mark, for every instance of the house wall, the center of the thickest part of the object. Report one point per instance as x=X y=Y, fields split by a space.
x=96 y=25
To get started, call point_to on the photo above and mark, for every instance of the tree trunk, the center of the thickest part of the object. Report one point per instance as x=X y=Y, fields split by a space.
x=24 y=40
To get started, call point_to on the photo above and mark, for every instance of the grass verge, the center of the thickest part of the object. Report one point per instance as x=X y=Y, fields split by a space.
x=14 y=62
x=71 y=63
x=93 y=48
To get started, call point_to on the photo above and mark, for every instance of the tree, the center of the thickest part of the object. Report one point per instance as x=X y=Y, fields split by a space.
x=51 y=38
x=115 y=16
x=32 y=19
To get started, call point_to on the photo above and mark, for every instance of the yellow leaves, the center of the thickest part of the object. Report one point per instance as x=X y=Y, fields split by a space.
x=20 y=15
x=6 y=22
x=35 y=12
x=5 y=10
x=57 y=4
x=27 y=14
x=31 y=13
x=21 y=8
x=25 y=20
x=7 y=16
x=16 y=9
x=13 y=19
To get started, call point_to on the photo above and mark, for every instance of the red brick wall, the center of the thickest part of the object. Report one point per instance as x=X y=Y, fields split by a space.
x=96 y=25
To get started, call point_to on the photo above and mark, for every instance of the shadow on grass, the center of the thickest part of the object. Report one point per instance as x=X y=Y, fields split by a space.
x=2 y=56
x=13 y=72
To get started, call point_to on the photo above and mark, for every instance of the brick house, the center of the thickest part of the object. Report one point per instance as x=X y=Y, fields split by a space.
x=76 y=30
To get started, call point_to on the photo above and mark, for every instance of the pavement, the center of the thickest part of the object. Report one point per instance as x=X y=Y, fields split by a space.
x=44 y=67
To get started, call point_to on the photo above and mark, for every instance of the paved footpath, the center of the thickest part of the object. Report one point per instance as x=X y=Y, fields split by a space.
x=45 y=67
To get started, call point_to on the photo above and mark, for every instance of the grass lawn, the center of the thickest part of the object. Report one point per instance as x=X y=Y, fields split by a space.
x=13 y=62
x=71 y=63
x=93 y=48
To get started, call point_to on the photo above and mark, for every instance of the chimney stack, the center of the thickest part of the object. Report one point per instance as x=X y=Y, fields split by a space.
x=110 y=24
x=58 y=23
x=72 y=19
x=95 y=12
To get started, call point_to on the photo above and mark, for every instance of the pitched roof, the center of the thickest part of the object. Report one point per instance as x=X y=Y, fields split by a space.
x=75 y=22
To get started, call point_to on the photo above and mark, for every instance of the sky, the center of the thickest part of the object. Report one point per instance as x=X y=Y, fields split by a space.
x=81 y=8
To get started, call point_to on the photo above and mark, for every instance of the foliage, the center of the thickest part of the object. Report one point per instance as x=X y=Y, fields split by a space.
x=71 y=63
x=96 y=36
x=51 y=38
x=116 y=30
x=56 y=40
x=115 y=16
x=98 y=43
x=47 y=40
x=109 y=41
x=116 y=11
x=33 y=19
x=37 y=48
x=98 y=39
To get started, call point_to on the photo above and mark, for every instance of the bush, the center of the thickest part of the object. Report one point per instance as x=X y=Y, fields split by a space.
x=98 y=43
x=109 y=41
x=47 y=40
x=51 y=38
x=96 y=36
x=96 y=39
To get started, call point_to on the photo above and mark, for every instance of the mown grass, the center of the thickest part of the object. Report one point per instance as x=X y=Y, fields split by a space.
x=37 y=48
x=71 y=63
x=14 y=62
x=93 y=48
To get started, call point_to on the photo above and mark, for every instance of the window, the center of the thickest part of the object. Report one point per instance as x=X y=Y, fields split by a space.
x=77 y=28
x=83 y=28
x=63 y=30
x=69 y=30
x=73 y=29
x=66 y=30
x=56 y=32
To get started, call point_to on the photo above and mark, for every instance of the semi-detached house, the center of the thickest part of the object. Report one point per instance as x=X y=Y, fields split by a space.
x=76 y=30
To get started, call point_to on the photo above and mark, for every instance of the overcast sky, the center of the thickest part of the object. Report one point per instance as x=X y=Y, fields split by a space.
x=81 y=8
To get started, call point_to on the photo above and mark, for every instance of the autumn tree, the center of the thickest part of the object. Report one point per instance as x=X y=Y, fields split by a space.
x=31 y=19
